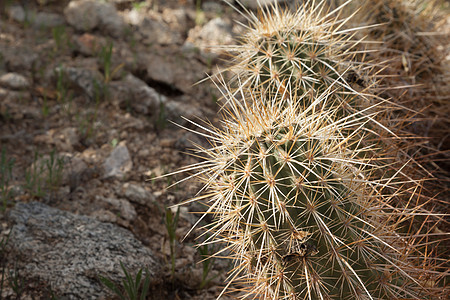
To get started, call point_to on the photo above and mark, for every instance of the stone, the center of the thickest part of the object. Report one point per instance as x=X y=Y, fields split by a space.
x=177 y=19
x=216 y=32
x=158 y=32
x=173 y=69
x=45 y=19
x=14 y=81
x=122 y=207
x=20 y=59
x=87 y=15
x=16 y=13
x=138 y=194
x=118 y=163
x=147 y=101
x=73 y=171
x=69 y=252
x=88 y=81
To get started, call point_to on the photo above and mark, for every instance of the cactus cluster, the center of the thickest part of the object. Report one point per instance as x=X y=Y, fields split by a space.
x=301 y=179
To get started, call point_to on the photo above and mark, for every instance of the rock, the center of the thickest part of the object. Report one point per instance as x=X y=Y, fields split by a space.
x=118 y=163
x=172 y=69
x=45 y=19
x=20 y=59
x=177 y=19
x=69 y=252
x=155 y=32
x=120 y=206
x=88 y=44
x=138 y=194
x=87 y=15
x=215 y=32
x=145 y=100
x=211 y=6
x=74 y=170
x=67 y=139
x=14 y=81
x=88 y=81
x=16 y=13
x=15 y=105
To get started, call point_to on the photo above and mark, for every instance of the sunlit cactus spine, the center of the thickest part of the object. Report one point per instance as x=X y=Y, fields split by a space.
x=303 y=216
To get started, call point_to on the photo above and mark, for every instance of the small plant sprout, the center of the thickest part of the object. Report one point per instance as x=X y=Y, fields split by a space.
x=60 y=36
x=132 y=288
x=105 y=56
x=171 y=222
x=6 y=166
x=44 y=175
x=206 y=250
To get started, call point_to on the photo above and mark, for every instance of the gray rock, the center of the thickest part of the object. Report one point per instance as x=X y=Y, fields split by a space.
x=14 y=81
x=69 y=252
x=120 y=206
x=74 y=170
x=86 y=15
x=173 y=69
x=16 y=13
x=216 y=32
x=177 y=19
x=89 y=81
x=138 y=194
x=45 y=19
x=155 y=32
x=118 y=163
x=20 y=59
x=147 y=101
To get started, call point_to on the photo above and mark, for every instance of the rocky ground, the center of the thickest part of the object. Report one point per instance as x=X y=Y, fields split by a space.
x=91 y=99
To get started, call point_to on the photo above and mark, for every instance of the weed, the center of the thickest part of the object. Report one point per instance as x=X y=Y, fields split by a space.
x=45 y=108
x=60 y=36
x=87 y=121
x=62 y=90
x=55 y=166
x=132 y=288
x=114 y=143
x=200 y=17
x=161 y=121
x=139 y=5
x=105 y=56
x=16 y=283
x=207 y=263
x=6 y=166
x=3 y=243
x=171 y=222
x=45 y=175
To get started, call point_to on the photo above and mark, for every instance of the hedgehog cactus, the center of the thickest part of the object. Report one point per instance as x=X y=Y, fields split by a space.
x=304 y=216
x=310 y=205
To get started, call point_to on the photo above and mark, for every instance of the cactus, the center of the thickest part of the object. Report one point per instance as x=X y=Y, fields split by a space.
x=304 y=216
x=310 y=203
